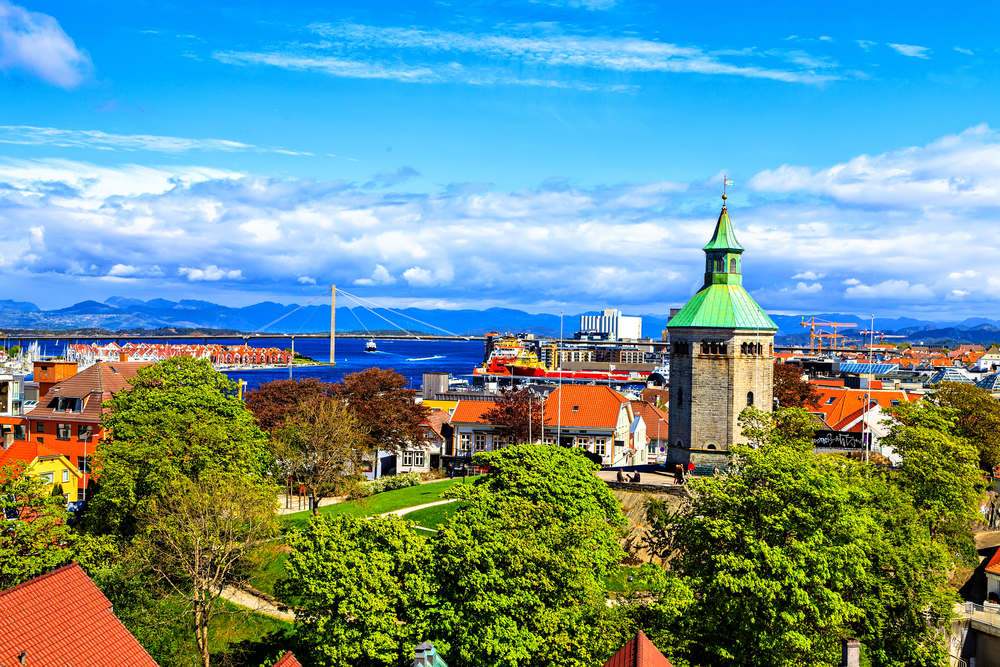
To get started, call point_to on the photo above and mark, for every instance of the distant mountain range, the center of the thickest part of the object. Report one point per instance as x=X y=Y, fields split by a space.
x=121 y=313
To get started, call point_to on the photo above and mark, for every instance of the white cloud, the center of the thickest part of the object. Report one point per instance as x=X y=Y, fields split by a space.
x=802 y=288
x=27 y=135
x=380 y=276
x=865 y=44
x=429 y=56
x=956 y=170
x=808 y=275
x=264 y=231
x=852 y=281
x=35 y=43
x=967 y=52
x=418 y=277
x=889 y=289
x=306 y=280
x=911 y=50
x=211 y=272
x=123 y=270
x=970 y=273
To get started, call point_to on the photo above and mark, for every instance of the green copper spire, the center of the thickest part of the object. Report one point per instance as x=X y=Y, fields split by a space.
x=724 y=237
x=722 y=302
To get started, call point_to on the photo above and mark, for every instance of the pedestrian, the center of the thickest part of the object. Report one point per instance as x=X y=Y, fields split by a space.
x=636 y=477
x=451 y=471
x=715 y=472
x=678 y=474
x=621 y=476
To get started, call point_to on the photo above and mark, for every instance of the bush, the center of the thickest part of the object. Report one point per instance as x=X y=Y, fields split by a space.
x=391 y=483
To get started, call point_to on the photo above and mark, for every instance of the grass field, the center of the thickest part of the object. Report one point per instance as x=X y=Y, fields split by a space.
x=380 y=503
x=433 y=517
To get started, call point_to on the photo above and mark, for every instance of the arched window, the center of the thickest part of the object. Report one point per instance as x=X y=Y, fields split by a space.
x=704 y=347
x=722 y=348
x=713 y=348
x=732 y=265
x=749 y=399
x=720 y=266
x=708 y=264
x=680 y=397
x=743 y=349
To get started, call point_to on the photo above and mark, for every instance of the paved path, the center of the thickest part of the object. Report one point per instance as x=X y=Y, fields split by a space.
x=407 y=510
x=250 y=601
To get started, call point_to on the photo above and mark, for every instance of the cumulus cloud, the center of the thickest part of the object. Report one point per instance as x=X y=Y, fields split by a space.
x=865 y=44
x=210 y=272
x=550 y=245
x=967 y=52
x=911 y=50
x=35 y=43
x=418 y=55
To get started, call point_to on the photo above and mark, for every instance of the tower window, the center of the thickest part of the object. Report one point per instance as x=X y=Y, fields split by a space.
x=749 y=399
x=680 y=396
x=722 y=348
x=713 y=348
x=704 y=347
x=743 y=349
x=732 y=265
x=720 y=266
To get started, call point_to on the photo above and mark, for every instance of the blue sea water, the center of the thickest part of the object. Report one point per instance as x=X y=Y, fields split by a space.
x=409 y=358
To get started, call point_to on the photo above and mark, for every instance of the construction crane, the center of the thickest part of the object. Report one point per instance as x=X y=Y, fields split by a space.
x=881 y=335
x=816 y=336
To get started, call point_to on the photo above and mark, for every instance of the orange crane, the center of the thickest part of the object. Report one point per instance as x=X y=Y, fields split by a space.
x=879 y=334
x=816 y=337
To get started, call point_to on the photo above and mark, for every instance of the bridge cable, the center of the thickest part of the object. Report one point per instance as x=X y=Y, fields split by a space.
x=395 y=312
x=291 y=312
x=350 y=296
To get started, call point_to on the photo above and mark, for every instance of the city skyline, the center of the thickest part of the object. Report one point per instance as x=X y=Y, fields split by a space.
x=542 y=156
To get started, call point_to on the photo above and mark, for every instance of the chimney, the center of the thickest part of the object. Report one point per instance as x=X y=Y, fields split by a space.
x=850 y=653
x=434 y=384
x=8 y=440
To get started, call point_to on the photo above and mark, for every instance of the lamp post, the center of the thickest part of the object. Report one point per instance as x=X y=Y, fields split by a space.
x=658 y=443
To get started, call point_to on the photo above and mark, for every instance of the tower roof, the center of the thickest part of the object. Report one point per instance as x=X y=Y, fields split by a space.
x=722 y=302
x=723 y=306
x=724 y=237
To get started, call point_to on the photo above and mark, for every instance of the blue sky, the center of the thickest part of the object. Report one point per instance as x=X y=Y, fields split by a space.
x=547 y=155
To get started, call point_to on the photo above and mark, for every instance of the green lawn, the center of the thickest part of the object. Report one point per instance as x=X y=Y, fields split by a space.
x=433 y=517
x=387 y=501
x=266 y=579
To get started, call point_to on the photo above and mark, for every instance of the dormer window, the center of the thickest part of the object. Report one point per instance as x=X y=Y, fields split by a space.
x=576 y=408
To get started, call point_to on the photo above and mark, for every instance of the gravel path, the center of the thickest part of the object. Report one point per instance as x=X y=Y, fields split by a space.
x=259 y=605
x=407 y=510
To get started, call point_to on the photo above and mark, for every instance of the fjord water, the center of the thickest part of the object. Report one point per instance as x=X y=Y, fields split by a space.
x=409 y=358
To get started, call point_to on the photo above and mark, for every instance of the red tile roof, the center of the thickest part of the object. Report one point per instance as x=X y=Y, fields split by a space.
x=847 y=401
x=95 y=384
x=437 y=419
x=651 y=415
x=62 y=618
x=585 y=406
x=471 y=412
x=287 y=660
x=994 y=565
x=638 y=652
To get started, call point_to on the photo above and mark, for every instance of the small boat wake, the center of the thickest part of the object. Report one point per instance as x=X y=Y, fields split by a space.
x=436 y=356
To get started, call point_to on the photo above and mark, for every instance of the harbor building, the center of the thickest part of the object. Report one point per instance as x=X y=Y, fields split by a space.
x=721 y=354
x=613 y=323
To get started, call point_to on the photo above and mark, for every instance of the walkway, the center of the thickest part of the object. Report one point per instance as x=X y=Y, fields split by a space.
x=255 y=603
x=407 y=510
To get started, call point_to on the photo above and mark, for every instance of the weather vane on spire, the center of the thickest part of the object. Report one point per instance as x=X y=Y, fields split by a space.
x=725 y=182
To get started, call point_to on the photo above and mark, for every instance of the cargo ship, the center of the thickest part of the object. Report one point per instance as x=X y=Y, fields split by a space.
x=508 y=357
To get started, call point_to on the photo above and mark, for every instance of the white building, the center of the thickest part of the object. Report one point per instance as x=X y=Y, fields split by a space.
x=613 y=322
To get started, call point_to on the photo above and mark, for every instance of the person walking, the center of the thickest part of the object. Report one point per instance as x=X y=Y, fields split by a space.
x=678 y=474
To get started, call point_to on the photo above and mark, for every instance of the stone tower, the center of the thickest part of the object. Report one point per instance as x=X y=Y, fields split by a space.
x=721 y=353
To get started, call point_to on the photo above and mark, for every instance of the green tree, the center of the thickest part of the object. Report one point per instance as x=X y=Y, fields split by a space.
x=34 y=536
x=273 y=402
x=517 y=414
x=558 y=476
x=322 y=446
x=361 y=590
x=791 y=552
x=200 y=538
x=978 y=417
x=940 y=471
x=179 y=418
x=518 y=584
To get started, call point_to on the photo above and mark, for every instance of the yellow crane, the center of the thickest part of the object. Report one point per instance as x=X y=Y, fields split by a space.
x=817 y=333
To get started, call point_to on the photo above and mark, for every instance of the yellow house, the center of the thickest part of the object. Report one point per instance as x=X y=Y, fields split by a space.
x=51 y=467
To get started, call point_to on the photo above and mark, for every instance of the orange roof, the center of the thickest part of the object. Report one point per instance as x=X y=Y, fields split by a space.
x=836 y=404
x=437 y=418
x=584 y=405
x=471 y=412
x=650 y=415
x=994 y=565
x=62 y=618
x=638 y=652
x=287 y=660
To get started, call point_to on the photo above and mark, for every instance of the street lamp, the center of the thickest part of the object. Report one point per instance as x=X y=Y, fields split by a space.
x=661 y=419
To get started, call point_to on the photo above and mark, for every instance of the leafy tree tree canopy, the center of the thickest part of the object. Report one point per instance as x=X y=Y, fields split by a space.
x=34 y=536
x=517 y=414
x=179 y=417
x=790 y=552
x=559 y=476
x=519 y=585
x=272 y=402
x=791 y=390
x=385 y=406
x=361 y=590
x=978 y=417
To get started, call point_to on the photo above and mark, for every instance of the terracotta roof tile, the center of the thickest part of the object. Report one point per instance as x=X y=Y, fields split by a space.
x=994 y=565
x=585 y=406
x=96 y=384
x=651 y=415
x=436 y=419
x=287 y=660
x=471 y=412
x=62 y=618
x=638 y=652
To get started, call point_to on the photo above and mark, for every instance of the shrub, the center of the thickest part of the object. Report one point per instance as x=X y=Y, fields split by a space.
x=391 y=483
